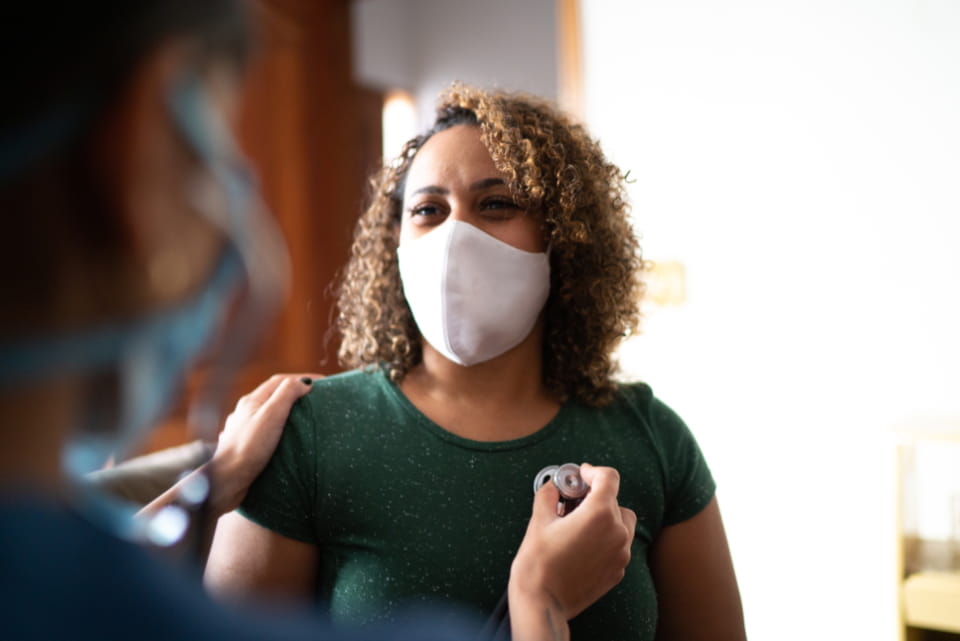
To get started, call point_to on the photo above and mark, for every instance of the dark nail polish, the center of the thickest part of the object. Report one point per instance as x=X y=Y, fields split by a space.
x=306 y=380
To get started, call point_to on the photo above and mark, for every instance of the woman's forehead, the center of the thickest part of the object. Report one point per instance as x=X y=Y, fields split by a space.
x=451 y=158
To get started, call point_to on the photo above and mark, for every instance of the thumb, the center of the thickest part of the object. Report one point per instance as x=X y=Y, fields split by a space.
x=545 y=504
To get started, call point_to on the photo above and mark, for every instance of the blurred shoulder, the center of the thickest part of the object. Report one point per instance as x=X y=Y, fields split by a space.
x=641 y=400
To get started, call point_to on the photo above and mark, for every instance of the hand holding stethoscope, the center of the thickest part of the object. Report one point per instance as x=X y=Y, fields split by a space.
x=576 y=547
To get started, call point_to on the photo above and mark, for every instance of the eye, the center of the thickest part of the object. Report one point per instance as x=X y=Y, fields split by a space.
x=427 y=213
x=499 y=207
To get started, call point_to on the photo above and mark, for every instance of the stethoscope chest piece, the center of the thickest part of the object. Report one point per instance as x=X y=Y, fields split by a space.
x=568 y=482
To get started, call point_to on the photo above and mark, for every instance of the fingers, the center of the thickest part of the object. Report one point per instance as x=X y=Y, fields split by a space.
x=604 y=485
x=545 y=504
x=254 y=400
x=263 y=391
x=629 y=518
x=604 y=482
x=277 y=406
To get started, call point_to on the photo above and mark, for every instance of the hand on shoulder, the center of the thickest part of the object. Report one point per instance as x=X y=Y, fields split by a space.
x=250 y=435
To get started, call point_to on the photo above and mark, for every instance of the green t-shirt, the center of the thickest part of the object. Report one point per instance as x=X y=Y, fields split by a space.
x=404 y=512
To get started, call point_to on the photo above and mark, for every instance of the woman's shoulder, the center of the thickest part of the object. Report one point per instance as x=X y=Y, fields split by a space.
x=634 y=392
x=354 y=379
x=639 y=399
x=688 y=482
x=350 y=384
x=346 y=394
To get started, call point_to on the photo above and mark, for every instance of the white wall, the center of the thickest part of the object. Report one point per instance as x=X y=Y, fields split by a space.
x=802 y=159
x=384 y=51
x=423 y=45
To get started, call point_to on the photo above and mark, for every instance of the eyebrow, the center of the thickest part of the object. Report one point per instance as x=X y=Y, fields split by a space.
x=485 y=183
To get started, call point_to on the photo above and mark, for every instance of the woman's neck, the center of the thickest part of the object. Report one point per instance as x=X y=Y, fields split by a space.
x=500 y=399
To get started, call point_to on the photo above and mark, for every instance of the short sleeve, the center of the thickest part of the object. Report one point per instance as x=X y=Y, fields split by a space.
x=689 y=485
x=283 y=498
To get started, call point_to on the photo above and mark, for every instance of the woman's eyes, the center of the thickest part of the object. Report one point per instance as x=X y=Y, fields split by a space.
x=495 y=207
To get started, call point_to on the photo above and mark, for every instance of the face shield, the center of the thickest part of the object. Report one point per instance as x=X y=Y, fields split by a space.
x=150 y=356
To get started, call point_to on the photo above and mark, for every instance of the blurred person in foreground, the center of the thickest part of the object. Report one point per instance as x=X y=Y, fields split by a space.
x=491 y=279
x=130 y=230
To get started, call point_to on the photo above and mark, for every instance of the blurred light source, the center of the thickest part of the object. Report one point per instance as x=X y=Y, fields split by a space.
x=399 y=122
x=168 y=526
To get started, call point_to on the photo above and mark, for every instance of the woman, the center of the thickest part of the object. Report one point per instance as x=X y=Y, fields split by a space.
x=491 y=279
x=129 y=233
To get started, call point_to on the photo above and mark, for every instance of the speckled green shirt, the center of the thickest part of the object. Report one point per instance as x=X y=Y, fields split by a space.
x=404 y=512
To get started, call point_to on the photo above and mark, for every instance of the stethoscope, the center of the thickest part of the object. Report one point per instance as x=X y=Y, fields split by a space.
x=573 y=489
x=568 y=482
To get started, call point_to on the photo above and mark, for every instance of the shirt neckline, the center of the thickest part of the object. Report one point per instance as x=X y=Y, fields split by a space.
x=424 y=422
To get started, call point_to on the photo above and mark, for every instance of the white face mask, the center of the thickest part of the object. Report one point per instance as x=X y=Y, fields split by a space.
x=473 y=297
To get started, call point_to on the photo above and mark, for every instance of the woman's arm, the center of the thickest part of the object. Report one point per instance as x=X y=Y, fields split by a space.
x=249 y=560
x=696 y=587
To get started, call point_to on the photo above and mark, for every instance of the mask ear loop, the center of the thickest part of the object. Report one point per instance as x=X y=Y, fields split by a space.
x=253 y=235
x=265 y=286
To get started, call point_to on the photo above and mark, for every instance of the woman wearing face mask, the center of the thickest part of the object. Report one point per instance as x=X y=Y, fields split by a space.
x=491 y=279
x=130 y=230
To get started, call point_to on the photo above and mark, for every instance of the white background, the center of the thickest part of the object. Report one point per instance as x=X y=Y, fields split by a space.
x=802 y=160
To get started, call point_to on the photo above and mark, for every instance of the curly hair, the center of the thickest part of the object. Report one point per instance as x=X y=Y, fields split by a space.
x=552 y=166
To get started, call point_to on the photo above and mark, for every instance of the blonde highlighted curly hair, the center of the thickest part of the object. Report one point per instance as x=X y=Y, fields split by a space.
x=553 y=167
